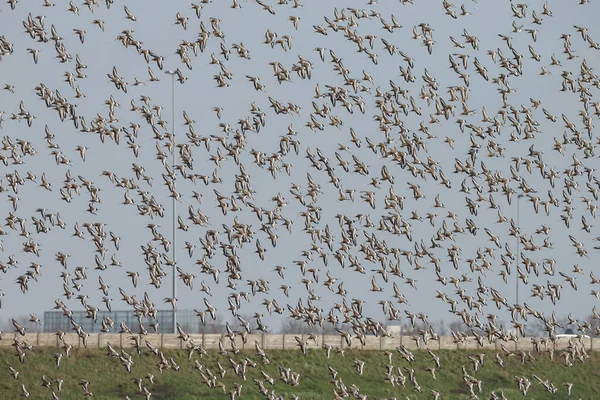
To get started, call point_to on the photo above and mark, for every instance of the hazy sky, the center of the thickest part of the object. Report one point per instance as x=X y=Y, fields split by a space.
x=155 y=28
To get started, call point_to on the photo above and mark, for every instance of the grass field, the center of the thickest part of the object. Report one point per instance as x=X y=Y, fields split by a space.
x=110 y=380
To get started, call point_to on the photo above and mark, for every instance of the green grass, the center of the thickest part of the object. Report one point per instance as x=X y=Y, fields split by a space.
x=110 y=380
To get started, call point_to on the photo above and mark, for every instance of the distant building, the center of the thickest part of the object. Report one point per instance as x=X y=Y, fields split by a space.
x=187 y=319
x=394 y=330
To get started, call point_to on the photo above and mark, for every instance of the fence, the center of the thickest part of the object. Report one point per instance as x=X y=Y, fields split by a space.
x=285 y=342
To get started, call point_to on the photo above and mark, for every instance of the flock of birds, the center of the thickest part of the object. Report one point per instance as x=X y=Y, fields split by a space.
x=438 y=209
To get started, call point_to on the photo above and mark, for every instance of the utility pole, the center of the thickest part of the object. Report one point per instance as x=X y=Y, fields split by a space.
x=174 y=244
x=518 y=241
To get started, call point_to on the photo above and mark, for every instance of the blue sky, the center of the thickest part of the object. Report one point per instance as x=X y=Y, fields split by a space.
x=157 y=31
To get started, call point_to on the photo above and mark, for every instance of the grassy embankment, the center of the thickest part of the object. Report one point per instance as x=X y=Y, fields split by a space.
x=110 y=380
